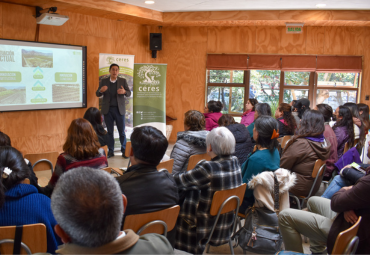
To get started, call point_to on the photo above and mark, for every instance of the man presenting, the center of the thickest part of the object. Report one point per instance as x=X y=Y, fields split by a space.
x=114 y=89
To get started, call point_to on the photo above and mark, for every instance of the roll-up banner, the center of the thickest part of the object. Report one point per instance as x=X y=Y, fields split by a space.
x=150 y=96
x=126 y=70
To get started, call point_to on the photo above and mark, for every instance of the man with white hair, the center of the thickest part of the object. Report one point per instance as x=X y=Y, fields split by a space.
x=197 y=187
x=88 y=206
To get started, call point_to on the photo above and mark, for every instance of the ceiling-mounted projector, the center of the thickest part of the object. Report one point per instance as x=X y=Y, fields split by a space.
x=52 y=19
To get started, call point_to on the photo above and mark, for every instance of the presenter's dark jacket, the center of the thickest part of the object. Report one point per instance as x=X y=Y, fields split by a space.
x=148 y=190
x=120 y=98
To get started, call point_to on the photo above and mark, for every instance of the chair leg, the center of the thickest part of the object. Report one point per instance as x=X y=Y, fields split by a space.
x=231 y=247
x=207 y=248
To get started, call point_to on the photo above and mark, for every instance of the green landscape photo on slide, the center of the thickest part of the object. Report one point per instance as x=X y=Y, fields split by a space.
x=37 y=58
x=12 y=94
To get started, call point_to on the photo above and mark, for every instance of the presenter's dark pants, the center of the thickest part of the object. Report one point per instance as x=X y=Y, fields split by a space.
x=114 y=115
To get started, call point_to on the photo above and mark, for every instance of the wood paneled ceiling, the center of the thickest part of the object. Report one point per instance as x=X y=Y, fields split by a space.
x=122 y=11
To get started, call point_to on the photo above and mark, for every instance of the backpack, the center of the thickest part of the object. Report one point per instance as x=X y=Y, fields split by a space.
x=260 y=233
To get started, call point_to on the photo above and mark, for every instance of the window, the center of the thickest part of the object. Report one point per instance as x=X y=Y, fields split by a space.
x=298 y=79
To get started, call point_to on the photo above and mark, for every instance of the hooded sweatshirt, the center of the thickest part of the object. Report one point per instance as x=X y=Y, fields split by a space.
x=300 y=157
x=243 y=140
x=212 y=119
x=188 y=143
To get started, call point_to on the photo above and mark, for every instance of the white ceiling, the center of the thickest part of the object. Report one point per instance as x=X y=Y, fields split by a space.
x=231 y=5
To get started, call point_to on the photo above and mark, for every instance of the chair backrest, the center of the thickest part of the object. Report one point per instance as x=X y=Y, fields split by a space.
x=168 y=165
x=344 y=238
x=128 y=149
x=113 y=170
x=318 y=165
x=285 y=140
x=42 y=165
x=34 y=236
x=136 y=221
x=346 y=147
x=105 y=147
x=220 y=196
x=194 y=160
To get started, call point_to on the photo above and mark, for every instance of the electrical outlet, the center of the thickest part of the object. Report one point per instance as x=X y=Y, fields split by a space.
x=367 y=97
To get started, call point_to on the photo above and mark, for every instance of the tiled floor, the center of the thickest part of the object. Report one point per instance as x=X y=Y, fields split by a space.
x=118 y=161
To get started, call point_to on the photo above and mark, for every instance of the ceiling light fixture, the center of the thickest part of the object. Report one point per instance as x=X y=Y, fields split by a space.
x=149 y=2
x=320 y=5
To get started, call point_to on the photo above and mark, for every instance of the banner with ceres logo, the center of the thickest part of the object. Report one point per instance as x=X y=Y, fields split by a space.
x=150 y=95
x=126 y=70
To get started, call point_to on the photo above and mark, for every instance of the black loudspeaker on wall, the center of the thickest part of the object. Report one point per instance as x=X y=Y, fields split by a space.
x=155 y=43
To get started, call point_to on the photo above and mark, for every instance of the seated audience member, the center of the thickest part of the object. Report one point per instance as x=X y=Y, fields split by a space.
x=343 y=129
x=88 y=206
x=265 y=158
x=248 y=115
x=212 y=112
x=244 y=144
x=93 y=115
x=339 y=181
x=363 y=111
x=198 y=187
x=5 y=141
x=295 y=112
x=287 y=124
x=329 y=135
x=358 y=128
x=190 y=142
x=302 y=151
x=302 y=105
x=262 y=109
x=326 y=218
x=81 y=148
x=21 y=204
x=146 y=189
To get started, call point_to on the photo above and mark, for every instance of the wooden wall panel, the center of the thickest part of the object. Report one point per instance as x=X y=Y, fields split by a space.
x=231 y=39
x=268 y=39
x=18 y=22
x=344 y=40
x=315 y=40
x=292 y=43
x=184 y=50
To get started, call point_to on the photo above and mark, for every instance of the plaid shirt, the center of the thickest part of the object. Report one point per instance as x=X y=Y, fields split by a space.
x=194 y=224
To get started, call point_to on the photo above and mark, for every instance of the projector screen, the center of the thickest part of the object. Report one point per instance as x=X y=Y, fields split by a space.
x=39 y=76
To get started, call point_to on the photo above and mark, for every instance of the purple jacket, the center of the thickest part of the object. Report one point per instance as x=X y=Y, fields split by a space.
x=247 y=118
x=342 y=137
x=212 y=119
x=349 y=157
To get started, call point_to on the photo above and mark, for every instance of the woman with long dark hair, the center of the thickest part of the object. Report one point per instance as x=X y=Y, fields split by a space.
x=212 y=112
x=287 y=124
x=21 y=204
x=358 y=127
x=81 y=148
x=302 y=151
x=265 y=158
x=343 y=129
x=363 y=110
x=248 y=115
x=329 y=135
x=93 y=115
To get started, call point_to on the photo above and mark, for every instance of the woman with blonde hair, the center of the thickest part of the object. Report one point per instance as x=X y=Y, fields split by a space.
x=81 y=148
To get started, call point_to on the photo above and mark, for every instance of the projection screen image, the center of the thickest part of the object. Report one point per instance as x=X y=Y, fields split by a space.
x=36 y=76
